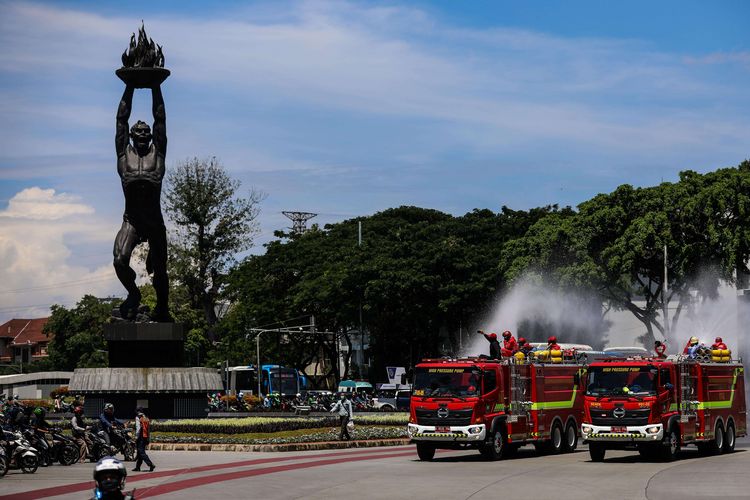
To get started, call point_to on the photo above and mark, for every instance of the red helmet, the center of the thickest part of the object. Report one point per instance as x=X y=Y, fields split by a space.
x=507 y=334
x=718 y=339
x=521 y=340
x=493 y=336
x=78 y=410
x=552 y=339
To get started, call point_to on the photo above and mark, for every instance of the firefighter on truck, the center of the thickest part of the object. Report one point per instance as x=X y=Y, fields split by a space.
x=496 y=405
x=659 y=405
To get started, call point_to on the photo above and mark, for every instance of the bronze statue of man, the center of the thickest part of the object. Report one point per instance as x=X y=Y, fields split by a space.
x=140 y=165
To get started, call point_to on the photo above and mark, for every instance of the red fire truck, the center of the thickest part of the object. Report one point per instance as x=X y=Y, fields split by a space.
x=495 y=406
x=656 y=406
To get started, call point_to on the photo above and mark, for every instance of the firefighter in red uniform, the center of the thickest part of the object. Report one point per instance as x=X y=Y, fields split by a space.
x=494 y=344
x=660 y=348
x=718 y=344
x=552 y=344
x=524 y=346
x=510 y=347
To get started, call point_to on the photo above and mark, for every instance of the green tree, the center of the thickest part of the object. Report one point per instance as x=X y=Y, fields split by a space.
x=212 y=223
x=77 y=340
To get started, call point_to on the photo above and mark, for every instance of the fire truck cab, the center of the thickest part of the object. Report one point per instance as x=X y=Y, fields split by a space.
x=656 y=406
x=495 y=406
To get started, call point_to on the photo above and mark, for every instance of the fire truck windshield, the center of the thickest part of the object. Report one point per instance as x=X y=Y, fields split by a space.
x=448 y=382
x=619 y=380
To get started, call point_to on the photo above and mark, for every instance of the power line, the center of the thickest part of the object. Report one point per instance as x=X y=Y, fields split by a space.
x=62 y=284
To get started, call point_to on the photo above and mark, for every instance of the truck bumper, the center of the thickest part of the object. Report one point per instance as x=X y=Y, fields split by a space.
x=468 y=434
x=632 y=434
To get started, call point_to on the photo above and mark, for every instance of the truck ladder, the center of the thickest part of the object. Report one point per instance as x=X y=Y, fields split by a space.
x=519 y=396
x=687 y=388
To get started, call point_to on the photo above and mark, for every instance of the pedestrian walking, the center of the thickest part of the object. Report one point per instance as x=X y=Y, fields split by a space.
x=344 y=408
x=142 y=424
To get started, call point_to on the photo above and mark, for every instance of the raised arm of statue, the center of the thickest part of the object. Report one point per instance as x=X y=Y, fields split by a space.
x=160 y=121
x=123 y=115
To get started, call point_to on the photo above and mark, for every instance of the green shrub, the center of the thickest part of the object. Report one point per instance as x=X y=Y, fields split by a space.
x=268 y=424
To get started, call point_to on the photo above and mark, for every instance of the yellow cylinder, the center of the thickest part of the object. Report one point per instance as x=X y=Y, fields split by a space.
x=519 y=356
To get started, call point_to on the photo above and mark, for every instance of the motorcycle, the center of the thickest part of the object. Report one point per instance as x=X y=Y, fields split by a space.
x=64 y=449
x=21 y=455
x=3 y=457
x=39 y=442
x=99 y=447
x=125 y=443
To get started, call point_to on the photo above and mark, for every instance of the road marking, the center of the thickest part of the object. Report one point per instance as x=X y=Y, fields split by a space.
x=230 y=476
x=89 y=485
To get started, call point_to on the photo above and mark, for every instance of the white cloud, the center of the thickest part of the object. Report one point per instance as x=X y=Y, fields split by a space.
x=36 y=234
x=44 y=205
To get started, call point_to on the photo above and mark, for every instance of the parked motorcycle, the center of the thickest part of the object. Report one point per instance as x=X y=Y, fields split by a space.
x=20 y=453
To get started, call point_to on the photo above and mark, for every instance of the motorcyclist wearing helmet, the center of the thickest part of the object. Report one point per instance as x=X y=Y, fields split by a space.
x=552 y=344
x=79 y=432
x=109 y=422
x=494 y=344
x=41 y=429
x=109 y=475
x=718 y=344
x=510 y=346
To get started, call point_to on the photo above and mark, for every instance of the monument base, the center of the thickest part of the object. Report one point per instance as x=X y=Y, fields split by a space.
x=165 y=392
x=144 y=345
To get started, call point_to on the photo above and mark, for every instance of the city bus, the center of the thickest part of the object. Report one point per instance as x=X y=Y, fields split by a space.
x=274 y=379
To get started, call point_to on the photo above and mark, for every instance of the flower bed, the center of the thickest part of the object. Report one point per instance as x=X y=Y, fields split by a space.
x=313 y=436
x=268 y=424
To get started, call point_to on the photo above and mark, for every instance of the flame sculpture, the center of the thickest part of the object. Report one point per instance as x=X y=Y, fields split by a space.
x=142 y=62
x=144 y=54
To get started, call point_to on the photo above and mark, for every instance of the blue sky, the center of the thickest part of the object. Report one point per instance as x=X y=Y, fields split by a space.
x=347 y=108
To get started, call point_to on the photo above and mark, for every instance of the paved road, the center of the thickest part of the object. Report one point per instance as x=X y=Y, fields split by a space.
x=396 y=473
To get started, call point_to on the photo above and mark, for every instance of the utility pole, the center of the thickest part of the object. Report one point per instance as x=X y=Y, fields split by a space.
x=361 y=357
x=664 y=295
x=299 y=220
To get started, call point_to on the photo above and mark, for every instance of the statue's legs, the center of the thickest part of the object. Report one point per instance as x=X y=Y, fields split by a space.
x=126 y=240
x=157 y=249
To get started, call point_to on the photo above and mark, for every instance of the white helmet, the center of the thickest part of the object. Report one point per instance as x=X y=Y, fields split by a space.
x=104 y=482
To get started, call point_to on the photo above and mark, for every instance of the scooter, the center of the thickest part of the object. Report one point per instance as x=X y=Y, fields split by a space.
x=64 y=449
x=21 y=455
x=126 y=444
x=99 y=447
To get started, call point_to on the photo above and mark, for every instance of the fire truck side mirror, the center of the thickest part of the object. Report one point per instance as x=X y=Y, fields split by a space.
x=668 y=386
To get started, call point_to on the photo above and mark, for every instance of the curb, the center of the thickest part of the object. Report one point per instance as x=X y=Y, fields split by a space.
x=327 y=445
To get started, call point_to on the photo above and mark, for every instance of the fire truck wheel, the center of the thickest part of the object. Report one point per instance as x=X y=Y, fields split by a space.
x=557 y=440
x=716 y=446
x=425 y=451
x=494 y=448
x=571 y=438
x=597 y=451
x=671 y=445
x=729 y=439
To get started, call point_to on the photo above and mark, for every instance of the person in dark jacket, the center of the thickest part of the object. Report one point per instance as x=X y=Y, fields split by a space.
x=142 y=433
x=494 y=344
x=109 y=422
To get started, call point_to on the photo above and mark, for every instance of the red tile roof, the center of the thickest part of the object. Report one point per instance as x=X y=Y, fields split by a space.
x=24 y=331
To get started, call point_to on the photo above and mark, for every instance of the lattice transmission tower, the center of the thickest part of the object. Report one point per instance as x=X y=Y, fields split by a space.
x=299 y=220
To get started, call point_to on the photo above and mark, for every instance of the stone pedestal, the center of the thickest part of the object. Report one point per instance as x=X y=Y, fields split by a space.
x=143 y=345
x=146 y=369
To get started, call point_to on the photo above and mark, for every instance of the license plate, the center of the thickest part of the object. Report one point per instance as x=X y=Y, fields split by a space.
x=442 y=429
x=619 y=429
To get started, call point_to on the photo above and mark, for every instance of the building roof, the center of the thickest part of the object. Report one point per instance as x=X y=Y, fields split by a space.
x=30 y=378
x=99 y=380
x=24 y=331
